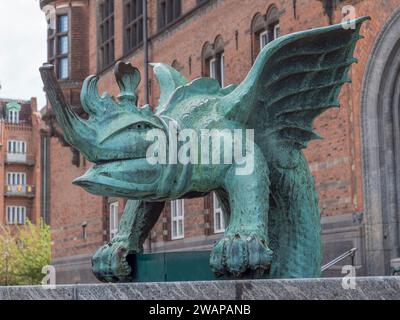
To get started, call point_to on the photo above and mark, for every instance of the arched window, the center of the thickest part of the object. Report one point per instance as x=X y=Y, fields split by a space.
x=265 y=28
x=213 y=57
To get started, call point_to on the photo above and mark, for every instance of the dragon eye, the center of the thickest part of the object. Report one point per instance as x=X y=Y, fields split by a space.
x=139 y=126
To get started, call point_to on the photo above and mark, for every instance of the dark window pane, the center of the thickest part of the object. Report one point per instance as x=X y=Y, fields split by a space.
x=140 y=30
x=168 y=11
x=128 y=12
x=139 y=7
x=177 y=8
x=133 y=25
x=106 y=33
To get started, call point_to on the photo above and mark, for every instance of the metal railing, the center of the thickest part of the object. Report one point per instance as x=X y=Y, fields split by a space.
x=351 y=253
x=19 y=190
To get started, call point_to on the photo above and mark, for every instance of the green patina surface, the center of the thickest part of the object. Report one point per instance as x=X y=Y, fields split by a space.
x=178 y=266
x=12 y=105
x=272 y=215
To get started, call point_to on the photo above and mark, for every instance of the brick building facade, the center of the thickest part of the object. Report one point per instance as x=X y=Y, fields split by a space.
x=354 y=166
x=20 y=169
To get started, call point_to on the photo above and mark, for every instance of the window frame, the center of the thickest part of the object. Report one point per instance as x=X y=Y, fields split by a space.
x=105 y=46
x=131 y=23
x=163 y=18
x=13 y=116
x=55 y=56
x=213 y=68
x=176 y=218
x=218 y=211
x=113 y=219
x=218 y=61
x=222 y=68
x=277 y=34
x=13 y=177
x=262 y=34
x=16 y=145
x=16 y=215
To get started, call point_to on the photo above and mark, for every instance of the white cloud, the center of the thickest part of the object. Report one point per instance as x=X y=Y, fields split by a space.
x=23 y=32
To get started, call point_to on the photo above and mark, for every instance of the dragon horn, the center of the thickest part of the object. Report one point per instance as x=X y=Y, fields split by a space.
x=90 y=97
x=73 y=127
x=169 y=79
x=128 y=79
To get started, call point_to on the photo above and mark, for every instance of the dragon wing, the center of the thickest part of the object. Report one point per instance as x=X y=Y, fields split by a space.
x=294 y=79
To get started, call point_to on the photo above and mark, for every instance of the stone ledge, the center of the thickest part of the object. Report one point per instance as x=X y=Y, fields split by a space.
x=368 y=288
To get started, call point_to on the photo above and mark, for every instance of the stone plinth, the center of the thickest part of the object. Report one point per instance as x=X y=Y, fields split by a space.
x=299 y=289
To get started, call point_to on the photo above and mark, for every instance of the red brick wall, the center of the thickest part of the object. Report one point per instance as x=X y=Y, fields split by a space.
x=29 y=132
x=70 y=207
x=79 y=42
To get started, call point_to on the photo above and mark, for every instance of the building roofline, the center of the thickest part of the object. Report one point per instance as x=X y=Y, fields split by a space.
x=16 y=100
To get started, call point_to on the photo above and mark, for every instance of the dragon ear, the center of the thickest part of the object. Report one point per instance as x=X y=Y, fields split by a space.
x=169 y=80
x=90 y=98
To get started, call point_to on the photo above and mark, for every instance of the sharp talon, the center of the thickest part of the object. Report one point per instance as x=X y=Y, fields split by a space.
x=109 y=263
x=235 y=256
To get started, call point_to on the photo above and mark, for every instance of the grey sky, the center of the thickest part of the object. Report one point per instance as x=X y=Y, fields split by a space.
x=22 y=49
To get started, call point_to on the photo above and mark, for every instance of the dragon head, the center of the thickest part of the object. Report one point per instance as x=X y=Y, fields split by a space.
x=113 y=136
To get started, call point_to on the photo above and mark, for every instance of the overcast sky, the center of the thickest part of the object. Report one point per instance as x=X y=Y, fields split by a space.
x=22 y=49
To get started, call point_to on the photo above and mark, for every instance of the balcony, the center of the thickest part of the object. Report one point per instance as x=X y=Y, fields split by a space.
x=19 y=158
x=27 y=191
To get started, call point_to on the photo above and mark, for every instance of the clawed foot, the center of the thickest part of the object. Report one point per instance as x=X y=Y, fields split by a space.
x=109 y=263
x=236 y=254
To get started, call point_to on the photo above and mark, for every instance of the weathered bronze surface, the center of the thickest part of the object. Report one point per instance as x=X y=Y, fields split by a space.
x=272 y=215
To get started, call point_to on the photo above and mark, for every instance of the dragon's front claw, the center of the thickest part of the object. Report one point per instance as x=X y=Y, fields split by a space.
x=237 y=254
x=110 y=263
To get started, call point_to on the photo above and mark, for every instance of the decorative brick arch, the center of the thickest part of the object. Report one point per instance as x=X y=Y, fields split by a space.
x=381 y=149
x=259 y=23
x=210 y=50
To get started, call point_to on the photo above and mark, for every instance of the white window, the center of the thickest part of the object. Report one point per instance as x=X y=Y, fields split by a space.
x=177 y=219
x=15 y=146
x=16 y=215
x=114 y=219
x=16 y=178
x=269 y=35
x=277 y=31
x=213 y=68
x=222 y=66
x=217 y=68
x=263 y=39
x=13 y=116
x=219 y=223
